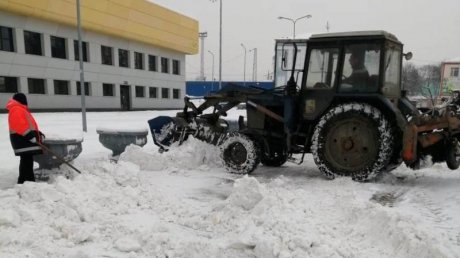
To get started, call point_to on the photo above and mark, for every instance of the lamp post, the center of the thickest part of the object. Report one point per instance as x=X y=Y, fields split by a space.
x=220 y=46
x=244 y=66
x=202 y=36
x=254 y=65
x=82 y=78
x=220 y=42
x=294 y=20
x=212 y=76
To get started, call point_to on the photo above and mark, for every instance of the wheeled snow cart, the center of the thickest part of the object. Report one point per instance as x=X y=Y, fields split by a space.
x=337 y=96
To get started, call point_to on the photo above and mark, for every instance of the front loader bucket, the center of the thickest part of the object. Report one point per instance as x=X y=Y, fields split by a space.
x=163 y=131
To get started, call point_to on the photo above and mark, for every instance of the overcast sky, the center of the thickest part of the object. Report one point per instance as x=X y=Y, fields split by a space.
x=428 y=28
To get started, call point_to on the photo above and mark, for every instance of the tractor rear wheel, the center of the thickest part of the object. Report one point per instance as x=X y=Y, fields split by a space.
x=239 y=154
x=453 y=155
x=353 y=139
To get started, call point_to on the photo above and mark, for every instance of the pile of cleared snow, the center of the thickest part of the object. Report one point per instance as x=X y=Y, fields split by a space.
x=192 y=154
x=147 y=205
x=115 y=210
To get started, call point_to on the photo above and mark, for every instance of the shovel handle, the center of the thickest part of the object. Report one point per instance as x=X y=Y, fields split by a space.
x=57 y=156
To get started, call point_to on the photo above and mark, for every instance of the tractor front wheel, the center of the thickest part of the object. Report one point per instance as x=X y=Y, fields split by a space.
x=353 y=139
x=239 y=154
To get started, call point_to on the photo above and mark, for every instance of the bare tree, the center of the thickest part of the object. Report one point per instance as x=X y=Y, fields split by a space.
x=411 y=79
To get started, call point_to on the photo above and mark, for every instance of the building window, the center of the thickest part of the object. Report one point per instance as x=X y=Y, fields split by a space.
x=6 y=39
x=84 y=46
x=176 y=67
x=58 y=49
x=36 y=86
x=164 y=65
x=454 y=72
x=138 y=60
x=123 y=58
x=107 y=55
x=87 y=89
x=140 y=91
x=107 y=89
x=153 y=92
x=8 y=84
x=152 y=63
x=33 y=43
x=61 y=87
x=176 y=93
x=165 y=93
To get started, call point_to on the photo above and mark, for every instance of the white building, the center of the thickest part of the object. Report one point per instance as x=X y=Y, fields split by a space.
x=133 y=51
x=450 y=76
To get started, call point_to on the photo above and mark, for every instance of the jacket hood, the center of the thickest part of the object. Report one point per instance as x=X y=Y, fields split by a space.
x=13 y=103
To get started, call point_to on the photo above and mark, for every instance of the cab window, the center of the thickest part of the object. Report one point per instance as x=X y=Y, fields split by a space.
x=360 y=68
x=322 y=67
x=284 y=62
x=391 y=85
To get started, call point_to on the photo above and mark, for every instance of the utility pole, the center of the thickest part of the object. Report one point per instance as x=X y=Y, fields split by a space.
x=202 y=36
x=327 y=26
x=220 y=42
x=244 y=66
x=212 y=75
x=82 y=77
x=254 y=65
x=220 y=46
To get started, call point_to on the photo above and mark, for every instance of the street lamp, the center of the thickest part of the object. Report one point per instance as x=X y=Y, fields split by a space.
x=220 y=42
x=254 y=65
x=212 y=77
x=82 y=77
x=244 y=67
x=294 y=21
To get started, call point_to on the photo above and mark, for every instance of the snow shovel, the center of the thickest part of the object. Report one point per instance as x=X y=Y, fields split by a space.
x=58 y=157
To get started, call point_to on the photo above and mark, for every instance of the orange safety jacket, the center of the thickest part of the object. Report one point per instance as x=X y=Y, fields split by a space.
x=24 y=132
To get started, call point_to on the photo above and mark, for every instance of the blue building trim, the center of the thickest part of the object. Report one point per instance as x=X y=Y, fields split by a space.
x=202 y=88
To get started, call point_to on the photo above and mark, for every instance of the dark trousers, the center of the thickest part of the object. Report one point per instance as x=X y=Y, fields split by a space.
x=26 y=169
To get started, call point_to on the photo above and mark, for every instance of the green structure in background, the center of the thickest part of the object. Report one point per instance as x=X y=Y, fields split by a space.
x=432 y=89
x=448 y=86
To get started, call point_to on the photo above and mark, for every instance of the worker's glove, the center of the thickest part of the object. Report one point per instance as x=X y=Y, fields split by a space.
x=42 y=135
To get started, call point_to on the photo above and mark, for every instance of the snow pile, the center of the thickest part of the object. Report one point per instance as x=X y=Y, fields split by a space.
x=182 y=203
x=192 y=154
x=92 y=215
x=118 y=210
x=247 y=193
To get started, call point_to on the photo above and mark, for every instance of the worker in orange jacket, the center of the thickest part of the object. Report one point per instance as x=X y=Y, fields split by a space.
x=24 y=135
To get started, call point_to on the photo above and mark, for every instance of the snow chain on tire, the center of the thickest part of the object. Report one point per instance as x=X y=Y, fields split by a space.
x=367 y=116
x=239 y=154
x=452 y=158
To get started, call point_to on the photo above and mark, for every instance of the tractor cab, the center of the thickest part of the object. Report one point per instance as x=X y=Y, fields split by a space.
x=340 y=66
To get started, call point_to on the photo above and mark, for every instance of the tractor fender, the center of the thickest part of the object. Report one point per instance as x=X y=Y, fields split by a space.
x=388 y=108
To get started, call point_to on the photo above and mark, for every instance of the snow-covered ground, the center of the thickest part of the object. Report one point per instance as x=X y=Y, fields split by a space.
x=182 y=203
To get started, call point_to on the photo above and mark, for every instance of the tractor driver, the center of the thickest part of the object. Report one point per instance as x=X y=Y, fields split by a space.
x=359 y=75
